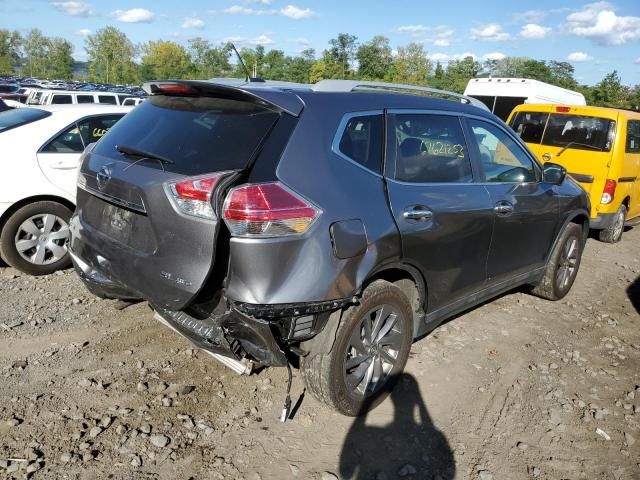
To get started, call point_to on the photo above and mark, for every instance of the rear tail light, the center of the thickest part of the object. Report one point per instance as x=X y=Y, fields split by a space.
x=267 y=210
x=193 y=195
x=563 y=109
x=609 y=191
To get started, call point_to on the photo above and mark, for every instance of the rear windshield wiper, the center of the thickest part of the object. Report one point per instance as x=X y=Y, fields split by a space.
x=580 y=145
x=136 y=152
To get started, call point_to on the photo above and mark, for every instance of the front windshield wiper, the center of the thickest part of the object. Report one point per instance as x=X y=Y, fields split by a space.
x=136 y=152
x=580 y=145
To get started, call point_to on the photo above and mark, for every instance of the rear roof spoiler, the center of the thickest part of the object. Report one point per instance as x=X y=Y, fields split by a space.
x=283 y=101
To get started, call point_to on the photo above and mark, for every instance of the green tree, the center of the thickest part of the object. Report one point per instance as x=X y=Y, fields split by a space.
x=374 y=58
x=209 y=61
x=609 y=92
x=59 y=58
x=164 y=59
x=459 y=72
x=410 y=66
x=438 y=76
x=35 y=46
x=111 y=56
x=300 y=66
x=10 y=44
x=275 y=65
x=562 y=74
x=342 y=52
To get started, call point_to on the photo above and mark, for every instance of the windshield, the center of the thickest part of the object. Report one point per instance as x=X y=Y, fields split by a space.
x=20 y=116
x=199 y=135
x=583 y=133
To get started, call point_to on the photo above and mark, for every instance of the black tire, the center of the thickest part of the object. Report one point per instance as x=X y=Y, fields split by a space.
x=325 y=374
x=613 y=233
x=563 y=265
x=12 y=232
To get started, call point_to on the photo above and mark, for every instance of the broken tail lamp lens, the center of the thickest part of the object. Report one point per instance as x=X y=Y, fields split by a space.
x=193 y=195
x=267 y=210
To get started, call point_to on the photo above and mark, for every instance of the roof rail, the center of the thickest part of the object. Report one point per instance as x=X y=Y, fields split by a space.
x=355 y=85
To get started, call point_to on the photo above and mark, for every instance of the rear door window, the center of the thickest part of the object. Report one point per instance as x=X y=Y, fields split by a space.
x=579 y=132
x=430 y=148
x=361 y=141
x=94 y=128
x=61 y=100
x=529 y=125
x=633 y=136
x=198 y=134
x=69 y=141
x=503 y=160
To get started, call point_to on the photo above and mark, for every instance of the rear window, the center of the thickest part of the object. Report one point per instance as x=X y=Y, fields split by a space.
x=361 y=141
x=200 y=135
x=529 y=125
x=4 y=88
x=633 y=136
x=20 y=116
x=579 y=132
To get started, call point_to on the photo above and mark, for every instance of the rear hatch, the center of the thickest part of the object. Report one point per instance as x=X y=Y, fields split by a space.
x=150 y=189
x=583 y=145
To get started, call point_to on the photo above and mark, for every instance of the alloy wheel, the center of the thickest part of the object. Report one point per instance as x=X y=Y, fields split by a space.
x=567 y=263
x=42 y=239
x=373 y=350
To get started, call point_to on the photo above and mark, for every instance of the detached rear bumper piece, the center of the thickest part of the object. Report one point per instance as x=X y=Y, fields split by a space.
x=229 y=334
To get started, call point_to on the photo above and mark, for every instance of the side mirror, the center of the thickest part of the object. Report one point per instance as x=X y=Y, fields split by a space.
x=553 y=173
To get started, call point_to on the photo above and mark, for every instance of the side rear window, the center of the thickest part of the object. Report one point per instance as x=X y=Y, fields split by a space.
x=529 y=125
x=85 y=98
x=633 y=136
x=109 y=99
x=198 y=134
x=61 y=100
x=430 y=149
x=361 y=141
x=93 y=129
x=579 y=131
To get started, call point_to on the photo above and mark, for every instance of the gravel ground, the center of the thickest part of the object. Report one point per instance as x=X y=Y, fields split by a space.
x=518 y=388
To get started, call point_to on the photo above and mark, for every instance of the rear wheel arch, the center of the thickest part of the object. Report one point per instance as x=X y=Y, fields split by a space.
x=408 y=279
x=627 y=201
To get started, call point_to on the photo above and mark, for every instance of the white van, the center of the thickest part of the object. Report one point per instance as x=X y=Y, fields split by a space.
x=73 y=97
x=502 y=95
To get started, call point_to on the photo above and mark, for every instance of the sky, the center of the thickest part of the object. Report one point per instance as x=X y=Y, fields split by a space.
x=596 y=38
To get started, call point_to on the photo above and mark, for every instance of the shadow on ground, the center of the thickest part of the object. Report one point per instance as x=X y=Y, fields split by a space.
x=410 y=445
x=633 y=291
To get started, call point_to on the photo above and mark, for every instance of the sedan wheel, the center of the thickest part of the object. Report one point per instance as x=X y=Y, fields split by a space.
x=42 y=239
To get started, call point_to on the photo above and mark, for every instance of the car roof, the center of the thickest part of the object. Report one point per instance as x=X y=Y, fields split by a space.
x=85 y=108
x=587 y=110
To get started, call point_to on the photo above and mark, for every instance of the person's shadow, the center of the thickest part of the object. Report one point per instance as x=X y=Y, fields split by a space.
x=409 y=446
x=633 y=291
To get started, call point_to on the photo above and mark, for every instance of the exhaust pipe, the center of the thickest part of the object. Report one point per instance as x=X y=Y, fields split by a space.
x=241 y=367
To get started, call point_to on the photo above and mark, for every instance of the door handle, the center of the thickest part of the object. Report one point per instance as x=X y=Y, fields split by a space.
x=417 y=213
x=546 y=157
x=503 y=208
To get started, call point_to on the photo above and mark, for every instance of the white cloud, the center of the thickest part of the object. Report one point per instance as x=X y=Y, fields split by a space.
x=534 y=31
x=296 y=13
x=491 y=32
x=83 y=32
x=192 y=22
x=290 y=11
x=412 y=29
x=261 y=2
x=446 y=58
x=263 y=39
x=600 y=23
x=579 y=57
x=134 y=15
x=442 y=36
x=637 y=61
x=75 y=9
x=530 y=16
x=493 y=56
x=439 y=57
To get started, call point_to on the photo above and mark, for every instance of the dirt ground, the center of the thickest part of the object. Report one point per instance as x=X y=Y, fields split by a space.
x=518 y=388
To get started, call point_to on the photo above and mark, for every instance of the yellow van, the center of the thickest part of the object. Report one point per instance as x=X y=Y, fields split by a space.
x=599 y=147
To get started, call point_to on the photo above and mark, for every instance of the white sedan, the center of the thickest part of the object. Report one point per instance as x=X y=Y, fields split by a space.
x=40 y=151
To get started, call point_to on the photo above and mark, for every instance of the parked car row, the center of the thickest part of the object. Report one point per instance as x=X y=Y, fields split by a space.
x=324 y=225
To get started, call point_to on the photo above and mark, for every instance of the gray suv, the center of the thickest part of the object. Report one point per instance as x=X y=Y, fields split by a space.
x=325 y=226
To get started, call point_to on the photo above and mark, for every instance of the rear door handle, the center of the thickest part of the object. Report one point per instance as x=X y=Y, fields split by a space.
x=417 y=213
x=503 y=208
